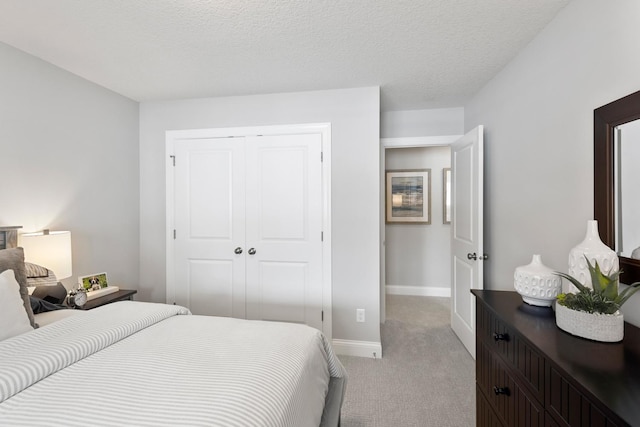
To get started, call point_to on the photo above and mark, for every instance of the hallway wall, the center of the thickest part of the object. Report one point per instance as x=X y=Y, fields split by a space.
x=418 y=255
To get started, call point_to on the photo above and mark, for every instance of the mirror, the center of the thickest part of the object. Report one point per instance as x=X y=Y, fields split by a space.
x=626 y=180
x=615 y=128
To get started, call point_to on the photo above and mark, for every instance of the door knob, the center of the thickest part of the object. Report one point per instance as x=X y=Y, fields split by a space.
x=252 y=251
x=238 y=250
x=484 y=257
x=472 y=256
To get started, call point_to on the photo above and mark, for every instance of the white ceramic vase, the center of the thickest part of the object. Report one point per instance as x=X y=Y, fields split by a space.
x=537 y=283
x=593 y=248
x=593 y=326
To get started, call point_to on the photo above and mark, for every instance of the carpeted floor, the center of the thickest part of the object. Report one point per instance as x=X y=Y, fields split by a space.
x=426 y=377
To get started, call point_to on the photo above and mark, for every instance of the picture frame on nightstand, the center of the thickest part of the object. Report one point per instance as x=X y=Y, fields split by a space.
x=93 y=282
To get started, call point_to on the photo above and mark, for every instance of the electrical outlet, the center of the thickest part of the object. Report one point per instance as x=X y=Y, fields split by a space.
x=360 y=315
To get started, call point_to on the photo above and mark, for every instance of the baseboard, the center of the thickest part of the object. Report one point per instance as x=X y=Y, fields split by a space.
x=358 y=348
x=422 y=291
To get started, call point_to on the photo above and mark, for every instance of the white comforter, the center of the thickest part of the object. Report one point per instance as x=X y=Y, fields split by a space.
x=142 y=364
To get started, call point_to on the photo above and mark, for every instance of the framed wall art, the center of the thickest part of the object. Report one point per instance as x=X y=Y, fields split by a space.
x=446 y=196
x=408 y=196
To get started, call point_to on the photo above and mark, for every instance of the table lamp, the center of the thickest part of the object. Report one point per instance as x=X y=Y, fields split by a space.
x=50 y=249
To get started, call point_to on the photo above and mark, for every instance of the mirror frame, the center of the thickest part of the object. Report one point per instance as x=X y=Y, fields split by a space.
x=605 y=119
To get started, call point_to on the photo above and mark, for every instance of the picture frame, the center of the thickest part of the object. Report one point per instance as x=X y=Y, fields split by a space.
x=93 y=282
x=446 y=196
x=9 y=237
x=408 y=196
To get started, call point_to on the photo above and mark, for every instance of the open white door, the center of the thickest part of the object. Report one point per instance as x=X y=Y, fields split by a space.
x=466 y=234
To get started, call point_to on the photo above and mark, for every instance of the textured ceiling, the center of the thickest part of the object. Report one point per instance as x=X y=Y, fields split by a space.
x=422 y=53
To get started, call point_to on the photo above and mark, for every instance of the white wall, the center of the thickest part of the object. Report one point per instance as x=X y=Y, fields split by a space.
x=418 y=255
x=538 y=113
x=69 y=156
x=413 y=123
x=354 y=115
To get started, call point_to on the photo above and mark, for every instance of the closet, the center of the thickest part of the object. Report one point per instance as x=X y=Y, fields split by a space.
x=247 y=213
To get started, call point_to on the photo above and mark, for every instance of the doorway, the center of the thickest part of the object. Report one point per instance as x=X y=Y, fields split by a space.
x=466 y=236
x=417 y=254
x=400 y=152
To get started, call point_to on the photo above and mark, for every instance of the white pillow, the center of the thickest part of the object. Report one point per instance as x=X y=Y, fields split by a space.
x=13 y=318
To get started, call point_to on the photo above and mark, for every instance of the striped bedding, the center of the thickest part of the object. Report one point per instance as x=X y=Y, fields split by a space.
x=142 y=364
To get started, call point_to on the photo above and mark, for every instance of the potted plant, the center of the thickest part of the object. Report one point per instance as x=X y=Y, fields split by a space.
x=594 y=313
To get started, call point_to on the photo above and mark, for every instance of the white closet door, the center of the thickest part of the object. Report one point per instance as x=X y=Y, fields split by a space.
x=209 y=209
x=284 y=225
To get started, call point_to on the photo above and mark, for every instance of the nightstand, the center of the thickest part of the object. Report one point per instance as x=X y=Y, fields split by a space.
x=121 y=295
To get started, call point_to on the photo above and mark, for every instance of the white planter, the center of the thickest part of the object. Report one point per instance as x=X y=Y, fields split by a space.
x=537 y=283
x=593 y=248
x=593 y=326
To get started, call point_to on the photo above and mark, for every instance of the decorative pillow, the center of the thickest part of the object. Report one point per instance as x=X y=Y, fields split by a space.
x=13 y=318
x=39 y=276
x=13 y=259
x=34 y=270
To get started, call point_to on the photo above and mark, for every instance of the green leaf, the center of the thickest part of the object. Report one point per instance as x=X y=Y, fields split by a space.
x=627 y=293
x=573 y=280
x=595 y=275
x=603 y=284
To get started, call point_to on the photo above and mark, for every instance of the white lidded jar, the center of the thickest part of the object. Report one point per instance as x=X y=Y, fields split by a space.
x=536 y=283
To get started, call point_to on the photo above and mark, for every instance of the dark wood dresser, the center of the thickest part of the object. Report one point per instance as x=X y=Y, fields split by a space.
x=531 y=373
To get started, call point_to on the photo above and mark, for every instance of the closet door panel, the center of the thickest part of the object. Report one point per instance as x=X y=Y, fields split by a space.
x=280 y=291
x=209 y=204
x=284 y=226
x=281 y=186
x=210 y=287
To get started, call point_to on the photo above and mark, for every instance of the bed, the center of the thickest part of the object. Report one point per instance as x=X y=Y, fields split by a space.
x=146 y=364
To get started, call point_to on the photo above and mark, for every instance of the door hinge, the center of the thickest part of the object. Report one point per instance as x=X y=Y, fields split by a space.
x=322 y=315
x=173 y=158
x=322 y=156
x=322 y=236
x=174 y=234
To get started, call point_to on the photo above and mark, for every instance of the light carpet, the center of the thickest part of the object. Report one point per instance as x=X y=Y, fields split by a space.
x=426 y=377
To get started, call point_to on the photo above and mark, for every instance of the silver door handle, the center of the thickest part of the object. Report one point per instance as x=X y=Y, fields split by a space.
x=252 y=251
x=238 y=250
x=472 y=256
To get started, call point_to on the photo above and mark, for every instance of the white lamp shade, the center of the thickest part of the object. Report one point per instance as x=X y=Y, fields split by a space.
x=52 y=251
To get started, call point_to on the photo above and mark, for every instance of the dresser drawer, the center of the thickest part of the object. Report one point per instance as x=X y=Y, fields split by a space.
x=493 y=331
x=485 y=416
x=501 y=339
x=513 y=405
x=571 y=408
x=549 y=421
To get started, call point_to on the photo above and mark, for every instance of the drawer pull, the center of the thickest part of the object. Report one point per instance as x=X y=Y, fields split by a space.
x=501 y=390
x=500 y=337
